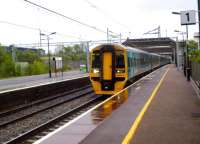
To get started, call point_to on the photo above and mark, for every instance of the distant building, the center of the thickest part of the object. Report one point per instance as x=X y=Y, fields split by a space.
x=11 y=47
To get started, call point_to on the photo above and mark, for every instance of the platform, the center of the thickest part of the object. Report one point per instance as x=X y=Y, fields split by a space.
x=173 y=116
x=27 y=81
x=166 y=95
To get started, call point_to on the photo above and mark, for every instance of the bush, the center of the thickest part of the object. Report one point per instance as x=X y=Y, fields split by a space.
x=36 y=68
x=7 y=66
x=18 y=70
x=195 y=56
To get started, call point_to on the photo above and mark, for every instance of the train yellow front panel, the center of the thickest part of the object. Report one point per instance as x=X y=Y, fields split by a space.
x=107 y=66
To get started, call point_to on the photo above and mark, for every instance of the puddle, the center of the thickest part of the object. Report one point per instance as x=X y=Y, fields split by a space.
x=108 y=107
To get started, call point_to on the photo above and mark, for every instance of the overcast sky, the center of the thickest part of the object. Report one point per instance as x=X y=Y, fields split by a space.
x=120 y=16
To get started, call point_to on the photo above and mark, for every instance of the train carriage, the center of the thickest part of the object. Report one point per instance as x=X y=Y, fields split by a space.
x=113 y=65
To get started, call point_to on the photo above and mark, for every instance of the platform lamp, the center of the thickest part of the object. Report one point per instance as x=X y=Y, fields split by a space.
x=184 y=44
x=186 y=58
x=49 y=58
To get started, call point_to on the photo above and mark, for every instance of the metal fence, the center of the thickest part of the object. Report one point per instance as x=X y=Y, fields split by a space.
x=196 y=73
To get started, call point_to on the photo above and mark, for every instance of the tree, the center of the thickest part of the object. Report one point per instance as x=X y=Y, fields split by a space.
x=7 y=66
x=192 y=44
x=195 y=55
x=27 y=56
x=73 y=53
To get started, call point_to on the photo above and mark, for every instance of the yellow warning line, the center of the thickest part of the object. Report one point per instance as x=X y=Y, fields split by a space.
x=138 y=119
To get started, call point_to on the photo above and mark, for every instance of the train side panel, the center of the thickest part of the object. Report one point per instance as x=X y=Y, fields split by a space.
x=138 y=63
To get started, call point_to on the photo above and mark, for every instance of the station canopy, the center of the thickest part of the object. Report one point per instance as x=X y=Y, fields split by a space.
x=162 y=46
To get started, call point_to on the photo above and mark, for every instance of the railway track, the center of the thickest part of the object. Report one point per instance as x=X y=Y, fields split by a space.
x=18 y=118
x=40 y=131
x=23 y=115
x=22 y=107
x=34 y=134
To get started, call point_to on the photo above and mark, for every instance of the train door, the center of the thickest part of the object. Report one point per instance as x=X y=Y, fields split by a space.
x=107 y=68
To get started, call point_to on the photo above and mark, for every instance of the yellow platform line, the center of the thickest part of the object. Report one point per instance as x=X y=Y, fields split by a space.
x=131 y=133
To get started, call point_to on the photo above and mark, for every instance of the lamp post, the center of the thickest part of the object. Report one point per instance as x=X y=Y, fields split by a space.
x=183 y=46
x=186 y=58
x=49 y=58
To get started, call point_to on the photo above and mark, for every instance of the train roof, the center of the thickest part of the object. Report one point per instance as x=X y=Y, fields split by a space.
x=136 y=50
x=125 y=47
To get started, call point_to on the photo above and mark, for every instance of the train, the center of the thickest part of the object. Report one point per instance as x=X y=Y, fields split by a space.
x=113 y=66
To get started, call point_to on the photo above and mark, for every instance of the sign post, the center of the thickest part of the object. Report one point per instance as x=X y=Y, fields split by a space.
x=187 y=18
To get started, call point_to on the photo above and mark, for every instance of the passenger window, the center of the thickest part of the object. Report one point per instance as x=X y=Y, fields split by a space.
x=120 y=60
x=95 y=61
x=129 y=61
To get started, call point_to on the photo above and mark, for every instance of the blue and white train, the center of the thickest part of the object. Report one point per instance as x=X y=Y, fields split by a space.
x=112 y=66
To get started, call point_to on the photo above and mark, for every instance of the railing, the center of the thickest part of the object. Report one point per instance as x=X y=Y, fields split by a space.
x=196 y=73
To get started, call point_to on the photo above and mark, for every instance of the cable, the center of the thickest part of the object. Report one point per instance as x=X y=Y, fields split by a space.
x=69 y=18
x=36 y=29
x=105 y=14
x=66 y=43
x=71 y=36
x=18 y=25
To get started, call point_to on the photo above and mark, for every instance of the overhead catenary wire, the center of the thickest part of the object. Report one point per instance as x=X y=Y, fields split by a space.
x=18 y=25
x=35 y=29
x=67 y=43
x=64 y=16
x=105 y=14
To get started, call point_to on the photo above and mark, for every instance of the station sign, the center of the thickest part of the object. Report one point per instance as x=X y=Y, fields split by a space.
x=188 y=17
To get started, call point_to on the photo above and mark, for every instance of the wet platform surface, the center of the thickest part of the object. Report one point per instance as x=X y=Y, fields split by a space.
x=173 y=117
x=110 y=121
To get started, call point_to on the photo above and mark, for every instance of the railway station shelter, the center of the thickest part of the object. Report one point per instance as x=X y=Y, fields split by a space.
x=162 y=46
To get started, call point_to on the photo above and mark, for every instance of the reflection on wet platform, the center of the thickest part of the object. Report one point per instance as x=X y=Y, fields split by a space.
x=75 y=132
x=106 y=109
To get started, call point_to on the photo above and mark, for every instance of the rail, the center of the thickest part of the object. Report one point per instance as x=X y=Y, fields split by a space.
x=52 y=122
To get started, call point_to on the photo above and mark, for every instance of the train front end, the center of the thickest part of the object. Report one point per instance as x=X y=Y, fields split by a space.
x=108 y=68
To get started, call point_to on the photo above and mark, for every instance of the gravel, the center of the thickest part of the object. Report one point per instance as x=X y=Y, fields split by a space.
x=25 y=125
x=41 y=106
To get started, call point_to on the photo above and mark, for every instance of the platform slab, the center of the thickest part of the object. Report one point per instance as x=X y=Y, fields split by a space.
x=169 y=119
x=115 y=127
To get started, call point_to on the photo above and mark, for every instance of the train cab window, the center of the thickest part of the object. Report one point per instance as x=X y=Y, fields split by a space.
x=96 y=60
x=120 y=60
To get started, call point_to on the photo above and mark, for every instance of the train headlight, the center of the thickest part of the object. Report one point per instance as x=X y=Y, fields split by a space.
x=95 y=70
x=120 y=71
